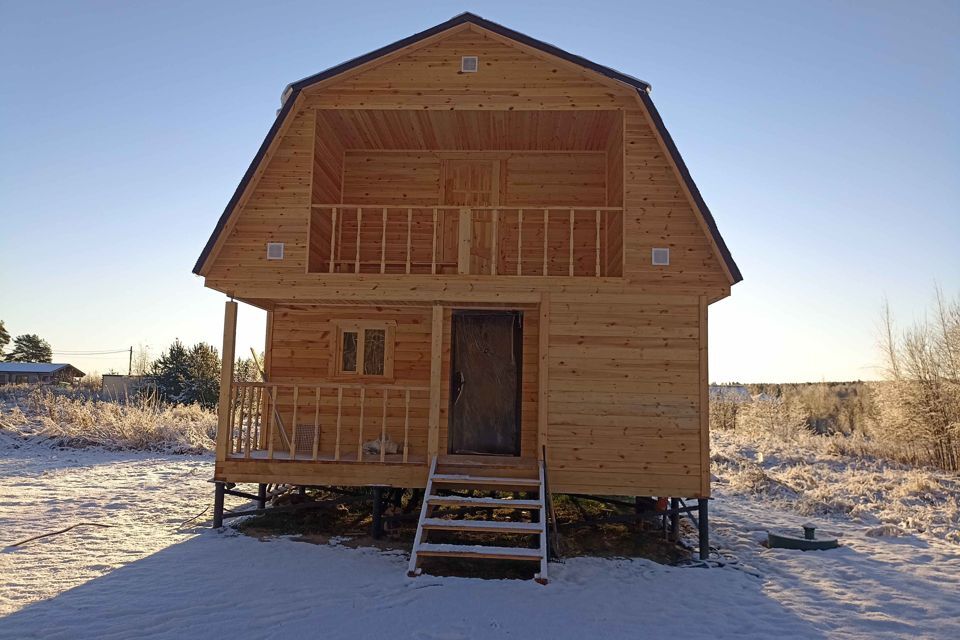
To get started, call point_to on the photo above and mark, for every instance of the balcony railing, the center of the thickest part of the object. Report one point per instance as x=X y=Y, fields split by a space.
x=328 y=422
x=496 y=241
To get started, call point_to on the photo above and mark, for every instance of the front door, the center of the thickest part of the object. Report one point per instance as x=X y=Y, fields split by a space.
x=485 y=377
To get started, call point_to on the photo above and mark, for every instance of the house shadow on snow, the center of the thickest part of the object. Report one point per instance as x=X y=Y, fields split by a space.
x=214 y=585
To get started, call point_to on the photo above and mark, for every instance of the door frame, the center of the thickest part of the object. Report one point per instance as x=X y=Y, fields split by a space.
x=518 y=358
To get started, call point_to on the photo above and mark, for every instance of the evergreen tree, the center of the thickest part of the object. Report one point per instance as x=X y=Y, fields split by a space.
x=4 y=338
x=30 y=348
x=188 y=376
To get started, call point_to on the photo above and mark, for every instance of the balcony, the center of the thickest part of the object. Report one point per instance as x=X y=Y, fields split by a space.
x=572 y=241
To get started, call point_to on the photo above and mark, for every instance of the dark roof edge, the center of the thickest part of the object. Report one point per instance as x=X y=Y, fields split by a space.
x=293 y=90
x=471 y=18
x=692 y=187
x=247 y=176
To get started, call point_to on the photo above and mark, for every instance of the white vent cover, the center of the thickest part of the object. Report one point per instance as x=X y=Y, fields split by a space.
x=274 y=251
x=469 y=64
x=661 y=256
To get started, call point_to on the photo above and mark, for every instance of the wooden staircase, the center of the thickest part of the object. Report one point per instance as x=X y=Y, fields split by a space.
x=446 y=478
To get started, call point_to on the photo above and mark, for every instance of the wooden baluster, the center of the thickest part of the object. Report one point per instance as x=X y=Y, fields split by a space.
x=383 y=426
x=546 y=234
x=383 y=243
x=520 y=242
x=246 y=451
x=571 y=242
x=406 y=424
x=333 y=237
x=597 y=246
x=493 y=243
x=293 y=424
x=356 y=260
x=336 y=450
x=409 y=231
x=433 y=255
x=272 y=425
x=258 y=424
x=316 y=424
x=363 y=399
x=232 y=420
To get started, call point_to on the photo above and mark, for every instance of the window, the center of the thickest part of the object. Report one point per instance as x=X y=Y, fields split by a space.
x=364 y=349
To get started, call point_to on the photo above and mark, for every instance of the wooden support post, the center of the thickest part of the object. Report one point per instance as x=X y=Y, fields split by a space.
x=356 y=263
x=383 y=242
x=704 y=403
x=543 y=369
x=704 y=527
x=465 y=244
x=273 y=421
x=436 y=358
x=226 y=378
x=218 y=490
x=333 y=237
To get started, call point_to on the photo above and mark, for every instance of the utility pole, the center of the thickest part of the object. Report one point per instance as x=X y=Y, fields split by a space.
x=130 y=364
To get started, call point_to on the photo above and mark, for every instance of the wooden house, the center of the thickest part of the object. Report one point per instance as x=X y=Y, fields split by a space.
x=38 y=372
x=484 y=264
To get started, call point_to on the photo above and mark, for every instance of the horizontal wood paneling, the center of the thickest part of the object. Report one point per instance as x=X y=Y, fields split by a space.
x=624 y=403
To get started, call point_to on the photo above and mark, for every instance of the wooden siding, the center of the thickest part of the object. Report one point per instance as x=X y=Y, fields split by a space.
x=301 y=349
x=627 y=355
x=624 y=395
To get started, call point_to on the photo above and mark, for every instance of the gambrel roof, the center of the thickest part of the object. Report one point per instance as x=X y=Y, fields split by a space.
x=642 y=88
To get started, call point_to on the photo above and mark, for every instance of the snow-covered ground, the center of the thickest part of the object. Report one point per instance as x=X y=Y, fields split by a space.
x=148 y=576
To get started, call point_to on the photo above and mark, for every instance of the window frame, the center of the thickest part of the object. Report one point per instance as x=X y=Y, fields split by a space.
x=360 y=327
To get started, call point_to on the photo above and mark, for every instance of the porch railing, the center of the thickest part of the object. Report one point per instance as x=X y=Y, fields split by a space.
x=496 y=241
x=347 y=422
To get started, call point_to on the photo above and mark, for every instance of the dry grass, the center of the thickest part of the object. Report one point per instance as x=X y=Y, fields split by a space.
x=78 y=418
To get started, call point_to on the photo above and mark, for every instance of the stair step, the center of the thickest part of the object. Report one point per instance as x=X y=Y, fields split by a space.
x=477 y=551
x=467 y=501
x=484 y=526
x=485 y=481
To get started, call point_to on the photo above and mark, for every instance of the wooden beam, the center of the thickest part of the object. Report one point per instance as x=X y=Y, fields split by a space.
x=543 y=374
x=704 y=403
x=436 y=359
x=465 y=242
x=226 y=378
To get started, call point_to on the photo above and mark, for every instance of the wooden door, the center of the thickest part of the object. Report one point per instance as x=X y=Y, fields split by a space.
x=465 y=183
x=485 y=382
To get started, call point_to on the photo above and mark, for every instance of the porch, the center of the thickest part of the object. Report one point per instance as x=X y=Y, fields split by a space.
x=310 y=424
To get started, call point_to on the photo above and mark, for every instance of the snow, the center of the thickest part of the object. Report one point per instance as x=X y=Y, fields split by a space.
x=148 y=576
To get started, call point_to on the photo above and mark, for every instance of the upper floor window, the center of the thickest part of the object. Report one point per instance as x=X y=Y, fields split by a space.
x=364 y=348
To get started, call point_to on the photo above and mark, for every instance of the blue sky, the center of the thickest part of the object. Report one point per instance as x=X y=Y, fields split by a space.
x=823 y=135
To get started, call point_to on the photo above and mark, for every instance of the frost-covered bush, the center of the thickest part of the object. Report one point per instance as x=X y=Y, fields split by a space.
x=771 y=416
x=78 y=418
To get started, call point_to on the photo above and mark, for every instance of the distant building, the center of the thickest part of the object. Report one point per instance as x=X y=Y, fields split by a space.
x=119 y=387
x=42 y=372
